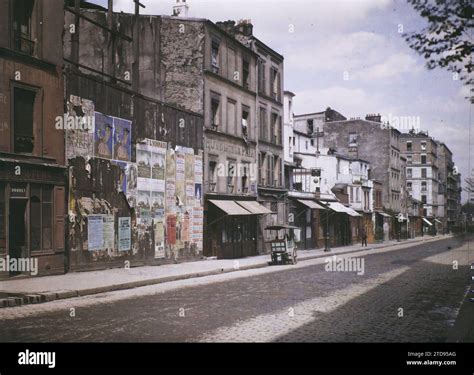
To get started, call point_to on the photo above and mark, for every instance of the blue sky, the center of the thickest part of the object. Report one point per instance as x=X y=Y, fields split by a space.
x=325 y=41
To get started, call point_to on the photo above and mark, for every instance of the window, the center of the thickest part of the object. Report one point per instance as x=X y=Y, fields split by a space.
x=270 y=170
x=245 y=173
x=423 y=186
x=409 y=172
x=23 y=109
x=41 y=218
x=245 y=73
x=231 y=64
x=409 y=159
x=22 y=26
x=409 y=185
x=423 y=145
x=245 y=122
x=294 y=141
x=212 y=175
x=215 y=55
x=215 y=104
x=275 y=131
x=275 y=76
x=261 y=77
x=423 y=172
x=423 y=199
x=231 y=114
x=263 y=124
x=353 y=139
x=306 y=144
x=409 y=146
x=261 y=168
x=231 y=173
x=423 y=159
x=312 y=142
x=310 y=126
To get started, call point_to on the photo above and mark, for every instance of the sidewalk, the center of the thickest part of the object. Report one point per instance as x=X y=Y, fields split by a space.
x=50 y=288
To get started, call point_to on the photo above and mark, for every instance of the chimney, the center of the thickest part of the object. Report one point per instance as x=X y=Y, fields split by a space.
x=374 y=117
x=245 y=27
x=180 y=9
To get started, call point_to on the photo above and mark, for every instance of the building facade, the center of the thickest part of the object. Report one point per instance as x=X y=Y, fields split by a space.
x=32 y=165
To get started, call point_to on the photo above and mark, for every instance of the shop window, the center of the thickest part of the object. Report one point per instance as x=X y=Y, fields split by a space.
x=22 y=26
x=3 y=234
x=41 y=218
x=23 y=109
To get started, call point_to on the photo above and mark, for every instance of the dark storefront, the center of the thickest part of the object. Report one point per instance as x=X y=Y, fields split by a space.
x=231 y=228
x=306 y=213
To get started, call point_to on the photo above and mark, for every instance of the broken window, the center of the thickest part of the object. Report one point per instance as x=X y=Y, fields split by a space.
x=22 y=26
x=23 y=103
x=215 y=56
x=245 y=120
x=245 y=73
x=215 y=103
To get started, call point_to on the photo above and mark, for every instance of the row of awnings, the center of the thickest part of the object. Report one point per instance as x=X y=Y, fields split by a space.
x=430 y=223
x=241 y=208
x=335 y=206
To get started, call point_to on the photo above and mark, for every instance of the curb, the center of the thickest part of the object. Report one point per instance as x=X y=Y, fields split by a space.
x=23 y=299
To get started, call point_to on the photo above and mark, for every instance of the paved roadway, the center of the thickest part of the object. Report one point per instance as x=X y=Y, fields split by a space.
x=405 y=295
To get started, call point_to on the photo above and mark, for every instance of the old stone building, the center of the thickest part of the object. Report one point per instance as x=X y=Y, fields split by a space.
x=421 y=153
x=32 y=168
x=379 y=144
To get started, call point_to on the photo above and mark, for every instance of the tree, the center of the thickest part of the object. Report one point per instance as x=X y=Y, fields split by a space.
x=446 y=41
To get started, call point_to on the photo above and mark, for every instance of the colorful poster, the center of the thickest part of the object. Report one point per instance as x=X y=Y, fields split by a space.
x=197 y=226
x=103 y=136
x=124 y=233
x=171 y=229
x=95 y=238
x=122 y=139
x=132 y=178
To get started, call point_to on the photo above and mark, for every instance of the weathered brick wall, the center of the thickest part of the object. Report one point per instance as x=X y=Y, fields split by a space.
x=182 y=59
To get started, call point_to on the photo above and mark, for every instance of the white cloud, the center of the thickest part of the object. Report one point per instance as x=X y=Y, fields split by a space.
x=395 y=65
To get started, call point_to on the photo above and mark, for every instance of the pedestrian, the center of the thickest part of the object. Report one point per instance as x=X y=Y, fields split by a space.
x=363 y=236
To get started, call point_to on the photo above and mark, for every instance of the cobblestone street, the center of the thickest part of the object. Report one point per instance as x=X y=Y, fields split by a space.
x=405 y=295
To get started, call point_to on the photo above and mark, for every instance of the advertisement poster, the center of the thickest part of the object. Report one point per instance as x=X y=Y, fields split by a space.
x=95 y=231
x=197 y=229
x=103 y=136
x=122 y=139
x=122 y=180
x=185 y=236
x=132 y=177
x=171 y=229
x=158 y=205
x=80 y=138
x=108 y=232
x=124 y=233
x=197 y=194
x=198 y=168
x=190 y=193
x=143 y=161
x=159 y=240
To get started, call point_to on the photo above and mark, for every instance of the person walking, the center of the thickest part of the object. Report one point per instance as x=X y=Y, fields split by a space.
x=363 y=236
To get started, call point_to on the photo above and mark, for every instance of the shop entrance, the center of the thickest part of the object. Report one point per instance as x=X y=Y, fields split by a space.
x=17 y=230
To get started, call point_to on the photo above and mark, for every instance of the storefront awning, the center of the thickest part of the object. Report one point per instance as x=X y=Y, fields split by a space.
x=310 y=204
x=439 y=222
x=254 y=207
x=383 y=214
x=230 y=207
x=427 y=222
x=338 y=207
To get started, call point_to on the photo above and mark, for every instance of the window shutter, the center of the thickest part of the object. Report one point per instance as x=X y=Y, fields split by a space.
x=59 y=222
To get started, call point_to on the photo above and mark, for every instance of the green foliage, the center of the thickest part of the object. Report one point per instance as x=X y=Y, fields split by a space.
x=446 y=41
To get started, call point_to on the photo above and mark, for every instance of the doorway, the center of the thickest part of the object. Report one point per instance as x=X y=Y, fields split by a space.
x=17 y=230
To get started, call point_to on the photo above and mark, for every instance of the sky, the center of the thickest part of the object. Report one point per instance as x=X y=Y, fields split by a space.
x=351 y=56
